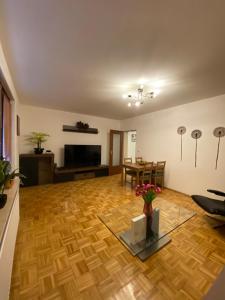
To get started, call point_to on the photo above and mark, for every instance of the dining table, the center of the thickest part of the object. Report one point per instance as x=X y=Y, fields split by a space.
x=136 y=167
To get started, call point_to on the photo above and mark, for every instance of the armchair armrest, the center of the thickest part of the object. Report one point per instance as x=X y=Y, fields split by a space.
x=216 y=192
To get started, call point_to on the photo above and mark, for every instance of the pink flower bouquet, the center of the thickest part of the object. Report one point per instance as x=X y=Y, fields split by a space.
x=147 y=191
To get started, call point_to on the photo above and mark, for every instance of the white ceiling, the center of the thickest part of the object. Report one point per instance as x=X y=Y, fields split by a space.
x=82 y=55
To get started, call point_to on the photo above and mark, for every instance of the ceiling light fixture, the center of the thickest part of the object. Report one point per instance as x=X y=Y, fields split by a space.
x=139 y=97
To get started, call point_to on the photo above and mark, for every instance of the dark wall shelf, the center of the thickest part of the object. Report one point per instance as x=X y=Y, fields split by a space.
x=82 y=130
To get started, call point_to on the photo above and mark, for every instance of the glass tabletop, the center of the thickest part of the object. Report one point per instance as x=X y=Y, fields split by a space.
x=118 y=221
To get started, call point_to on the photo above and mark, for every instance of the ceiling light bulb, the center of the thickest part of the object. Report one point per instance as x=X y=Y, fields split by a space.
x=158 y=83
x=142 y=81
x=137 y=103
x=156 y=92
x=124 y=96
x=129 y=104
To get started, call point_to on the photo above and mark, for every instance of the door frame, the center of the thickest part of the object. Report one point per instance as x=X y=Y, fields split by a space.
x=126 y=141
x=115 y=169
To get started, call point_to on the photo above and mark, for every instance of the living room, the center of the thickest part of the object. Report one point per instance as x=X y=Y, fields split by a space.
x=98 y=76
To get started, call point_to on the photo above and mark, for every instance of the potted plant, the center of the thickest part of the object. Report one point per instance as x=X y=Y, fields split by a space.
x=38 y=138
x=6 y=179
x=11 y=176
x=148 y=193
x=4 y=171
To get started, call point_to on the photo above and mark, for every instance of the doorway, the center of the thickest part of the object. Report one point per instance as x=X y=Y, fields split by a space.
x=130 y=144
x=115 y=152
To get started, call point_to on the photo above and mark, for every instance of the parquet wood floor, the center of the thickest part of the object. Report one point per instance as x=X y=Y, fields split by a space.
x=64 y=251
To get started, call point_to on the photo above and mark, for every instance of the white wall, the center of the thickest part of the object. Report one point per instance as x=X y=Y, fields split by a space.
x=15 y=107
x=51 y=121
x=157 y=139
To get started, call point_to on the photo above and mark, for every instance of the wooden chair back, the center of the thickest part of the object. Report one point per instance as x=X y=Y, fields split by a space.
x=148 y=166
x=138 y=159
x=161 y=165
x=127 y=160
x=147 y=172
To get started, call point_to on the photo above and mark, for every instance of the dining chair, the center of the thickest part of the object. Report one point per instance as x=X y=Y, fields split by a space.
x=129 y=172
x=138 y=159
x=146 y=175
x=127 y=160
x=158 y=174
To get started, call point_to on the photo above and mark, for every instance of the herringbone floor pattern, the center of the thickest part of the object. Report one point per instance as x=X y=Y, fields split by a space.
x=64 y=251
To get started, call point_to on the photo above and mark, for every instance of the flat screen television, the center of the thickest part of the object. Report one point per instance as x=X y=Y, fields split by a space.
x=76 y=156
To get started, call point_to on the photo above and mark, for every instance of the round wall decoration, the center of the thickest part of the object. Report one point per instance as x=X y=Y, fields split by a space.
x=196 y=134
x=181 y=130
x=218 y=132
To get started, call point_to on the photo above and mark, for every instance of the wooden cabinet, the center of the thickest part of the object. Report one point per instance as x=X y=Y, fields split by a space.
x=38 y=168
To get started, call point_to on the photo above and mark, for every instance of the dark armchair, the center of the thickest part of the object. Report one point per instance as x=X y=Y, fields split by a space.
x=211 y=206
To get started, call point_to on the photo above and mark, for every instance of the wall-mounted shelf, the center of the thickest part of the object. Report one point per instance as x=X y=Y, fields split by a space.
x=82 y=130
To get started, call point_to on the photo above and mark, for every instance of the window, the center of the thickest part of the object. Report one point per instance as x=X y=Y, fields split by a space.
x=5 y=119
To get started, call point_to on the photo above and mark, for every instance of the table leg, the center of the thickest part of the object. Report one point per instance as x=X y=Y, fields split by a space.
x=122 y=176
x=138 y=177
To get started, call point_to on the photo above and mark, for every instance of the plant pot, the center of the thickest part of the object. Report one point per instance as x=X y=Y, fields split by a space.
x=9 y=183
x=3 y=199
x=38 y=150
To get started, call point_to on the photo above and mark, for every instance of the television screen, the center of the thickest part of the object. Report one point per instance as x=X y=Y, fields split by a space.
x=76 y=156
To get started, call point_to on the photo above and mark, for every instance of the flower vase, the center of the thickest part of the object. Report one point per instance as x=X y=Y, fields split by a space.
x=148 y=211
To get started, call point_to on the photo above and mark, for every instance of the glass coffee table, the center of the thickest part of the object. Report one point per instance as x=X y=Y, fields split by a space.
x=118 y=221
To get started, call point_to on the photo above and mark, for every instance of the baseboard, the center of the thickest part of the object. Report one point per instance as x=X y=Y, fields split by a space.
x=173 y=190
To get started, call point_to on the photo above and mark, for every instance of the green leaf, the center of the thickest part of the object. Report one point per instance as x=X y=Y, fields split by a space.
x=37 y=138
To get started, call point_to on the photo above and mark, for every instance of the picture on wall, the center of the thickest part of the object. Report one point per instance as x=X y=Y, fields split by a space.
x=133 y=137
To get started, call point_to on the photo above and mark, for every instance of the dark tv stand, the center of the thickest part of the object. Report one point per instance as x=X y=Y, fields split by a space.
x=70 y=174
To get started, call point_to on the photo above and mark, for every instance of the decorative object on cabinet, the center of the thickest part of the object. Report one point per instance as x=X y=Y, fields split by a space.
x=37 y=138
x=196 y=134
x=218 y=132
x=181 y=131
